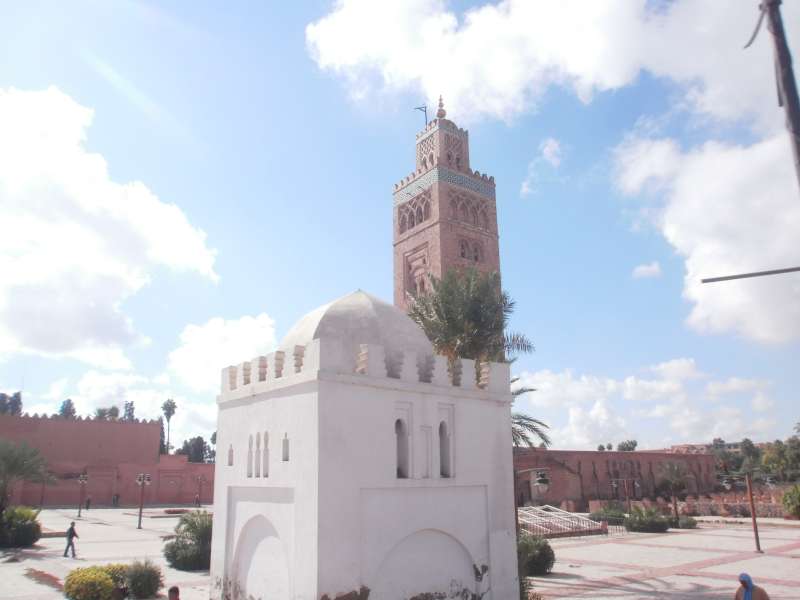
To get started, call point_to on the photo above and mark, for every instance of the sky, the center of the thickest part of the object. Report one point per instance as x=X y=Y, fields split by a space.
x=180 y=182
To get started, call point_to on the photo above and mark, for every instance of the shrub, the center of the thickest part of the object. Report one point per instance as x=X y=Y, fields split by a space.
x=182 y=554
x=613 y=512
x=534 y=555
x=118 y=573
x=90 y=583
x=144 y=579
x=20 y=527
x=191 y=548
x=791 y=501
x=647 y=520
x=687 y=523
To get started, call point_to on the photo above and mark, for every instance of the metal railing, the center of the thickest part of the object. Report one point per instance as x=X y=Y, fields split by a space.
x=551 y=522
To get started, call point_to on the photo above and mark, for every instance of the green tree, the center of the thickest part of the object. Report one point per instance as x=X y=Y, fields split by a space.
x=11 y=404
x=128 y=412
x=195 y=448
x=162 y=440
x=465 y=315
x=675 y=478
x=601 y=448
x=18 y=462
x=609 y=446
x=67 y=409
x=524 y=428
x=776 y=459
x=101 y=414
x=627 y=446
x=168 y=408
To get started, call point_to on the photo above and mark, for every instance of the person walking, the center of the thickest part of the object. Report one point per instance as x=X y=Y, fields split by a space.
x=748 y=590
x=88 y=502
x=174 y=593
x=71 y=535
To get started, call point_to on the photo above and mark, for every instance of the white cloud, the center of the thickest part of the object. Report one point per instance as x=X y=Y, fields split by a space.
x=761 y=402
x=550 y=150
x=728 y=209
x=496 y=60
x=588 y=428
x=677 y=369
x=75 y=243
x=56 y=390
x=205 y=349
x=734 y=385
x=675 y=400
x=648 y=270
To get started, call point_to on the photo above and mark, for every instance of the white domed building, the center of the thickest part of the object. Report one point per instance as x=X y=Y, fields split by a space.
x=350 y=461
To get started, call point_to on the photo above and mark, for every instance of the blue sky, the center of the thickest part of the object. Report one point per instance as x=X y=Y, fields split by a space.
x=180 y=183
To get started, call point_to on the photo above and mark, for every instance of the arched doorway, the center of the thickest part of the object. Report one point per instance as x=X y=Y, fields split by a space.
x=260 y=564
x=427 y=561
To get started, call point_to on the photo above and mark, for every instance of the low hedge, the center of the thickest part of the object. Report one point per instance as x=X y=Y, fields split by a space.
x=89 y=583
x=646 y=520
x=20 y=527
x=114 y=581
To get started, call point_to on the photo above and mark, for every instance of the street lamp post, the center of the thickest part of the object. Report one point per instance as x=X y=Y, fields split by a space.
x=83 y=479
x=201 y=479
x=142 y=479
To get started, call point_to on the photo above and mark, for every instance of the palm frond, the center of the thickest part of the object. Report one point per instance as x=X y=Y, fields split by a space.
x=524 y=428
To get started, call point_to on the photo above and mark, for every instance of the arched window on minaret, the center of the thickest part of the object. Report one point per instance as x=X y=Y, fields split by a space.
x=250 y=457
x=444 y=450
x=464 y=212
x=484 y=220
x=431 y=158
x=230 y=455
x=426 y=209
x=411 y=222
x=285 y=448
x=464 y=249
x=476 y=252
x=403 y=223
x=401 y=435
x=474 y=216
x=420 y=218
x=258 y=454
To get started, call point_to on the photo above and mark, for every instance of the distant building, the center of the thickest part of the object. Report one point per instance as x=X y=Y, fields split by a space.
x=111 y=454
x=577 y=476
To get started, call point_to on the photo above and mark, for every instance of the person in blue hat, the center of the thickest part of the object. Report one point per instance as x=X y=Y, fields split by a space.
x=748 y=590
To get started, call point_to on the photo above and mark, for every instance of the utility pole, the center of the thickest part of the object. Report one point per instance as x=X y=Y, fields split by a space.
x=142 y=479
x=787 y=98
x=787 y=87
x=749 y=480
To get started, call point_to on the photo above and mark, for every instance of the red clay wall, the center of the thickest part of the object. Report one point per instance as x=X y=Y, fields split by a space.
x=579 y=476
x=111 y=453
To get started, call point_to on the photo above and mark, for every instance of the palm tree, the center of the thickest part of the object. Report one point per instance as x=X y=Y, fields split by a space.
x=168 y=407
x=675 y=477
x=465 y=315
x=524 y=427
x=17 y=463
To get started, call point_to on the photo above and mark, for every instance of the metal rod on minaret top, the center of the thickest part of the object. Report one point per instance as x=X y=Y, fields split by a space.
x=424 y=110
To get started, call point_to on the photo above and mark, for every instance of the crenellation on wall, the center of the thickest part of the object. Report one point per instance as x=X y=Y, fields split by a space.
x=371 y=360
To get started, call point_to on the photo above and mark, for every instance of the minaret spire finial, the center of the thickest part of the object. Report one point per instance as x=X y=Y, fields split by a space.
x=441 y=113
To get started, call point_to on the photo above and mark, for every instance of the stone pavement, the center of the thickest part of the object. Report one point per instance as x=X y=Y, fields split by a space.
x=699 y=564
x=106 y=535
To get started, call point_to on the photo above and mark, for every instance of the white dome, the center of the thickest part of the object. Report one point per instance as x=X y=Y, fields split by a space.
x=359 y=318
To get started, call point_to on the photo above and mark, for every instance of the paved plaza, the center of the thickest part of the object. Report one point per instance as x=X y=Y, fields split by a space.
x=699 y=564
x=106 y=536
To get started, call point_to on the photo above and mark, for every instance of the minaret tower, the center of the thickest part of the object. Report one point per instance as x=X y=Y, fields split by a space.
x=445 y=215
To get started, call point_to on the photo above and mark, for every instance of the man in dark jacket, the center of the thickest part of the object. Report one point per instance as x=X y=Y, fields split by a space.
x=71 y=535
